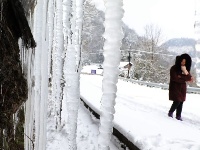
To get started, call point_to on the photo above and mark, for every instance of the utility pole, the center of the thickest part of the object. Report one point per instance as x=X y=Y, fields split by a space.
x=129 y=61
x=129 y=64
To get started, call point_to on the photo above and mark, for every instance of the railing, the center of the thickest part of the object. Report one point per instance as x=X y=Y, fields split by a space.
x=195 y=90
x=124 y=142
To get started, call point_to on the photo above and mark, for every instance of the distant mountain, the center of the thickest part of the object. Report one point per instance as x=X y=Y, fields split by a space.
x=178 y=46
x=179 y=42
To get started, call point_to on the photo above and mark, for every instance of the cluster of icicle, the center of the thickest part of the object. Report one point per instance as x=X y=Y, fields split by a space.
x=54 y=70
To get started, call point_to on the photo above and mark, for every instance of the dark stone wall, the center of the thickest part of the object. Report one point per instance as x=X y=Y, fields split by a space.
x=28 y=5
x=14 y=89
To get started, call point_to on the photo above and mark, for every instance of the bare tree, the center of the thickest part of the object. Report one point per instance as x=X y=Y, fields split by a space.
x=147 y=57
x=152 y=38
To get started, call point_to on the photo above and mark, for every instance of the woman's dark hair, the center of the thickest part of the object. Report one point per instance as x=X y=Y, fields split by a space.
x=176 y=61
x=179 y=60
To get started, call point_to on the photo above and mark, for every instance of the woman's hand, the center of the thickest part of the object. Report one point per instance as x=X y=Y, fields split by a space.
x=183 y=68
x=192 y=80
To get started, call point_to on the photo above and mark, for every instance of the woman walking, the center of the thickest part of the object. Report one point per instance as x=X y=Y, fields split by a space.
x=179 y=75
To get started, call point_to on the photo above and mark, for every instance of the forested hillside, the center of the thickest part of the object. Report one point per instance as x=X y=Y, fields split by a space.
x=151 y=61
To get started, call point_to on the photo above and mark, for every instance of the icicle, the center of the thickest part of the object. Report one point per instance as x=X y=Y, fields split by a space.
x=113 y=36
x=51 y=34
x=37 y=71
x=29 y=105
x=71 y=66
x=57 y=70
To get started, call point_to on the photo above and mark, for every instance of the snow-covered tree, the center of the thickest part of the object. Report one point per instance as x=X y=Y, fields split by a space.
x=113 y=36
x=92 y=41
x=147 y=57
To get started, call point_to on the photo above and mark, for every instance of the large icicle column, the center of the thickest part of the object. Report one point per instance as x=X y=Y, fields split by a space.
x=113 y=36
x=197 y=37
x=44 y=78
x=57 y=71
x=72 y=22
x=40 y=86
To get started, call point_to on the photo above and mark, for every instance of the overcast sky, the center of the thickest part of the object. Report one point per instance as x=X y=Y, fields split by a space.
x=174 y=17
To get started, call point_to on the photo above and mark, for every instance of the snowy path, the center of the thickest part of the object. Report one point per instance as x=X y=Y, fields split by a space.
x=141 y=115
x=87 y=133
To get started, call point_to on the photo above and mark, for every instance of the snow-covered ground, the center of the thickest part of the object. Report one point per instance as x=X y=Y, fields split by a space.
x=87 y=133
x=98 y=68
x=141 y=115
x=91 y=68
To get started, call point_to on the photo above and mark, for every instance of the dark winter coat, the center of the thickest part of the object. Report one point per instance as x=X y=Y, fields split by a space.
x=177 y=85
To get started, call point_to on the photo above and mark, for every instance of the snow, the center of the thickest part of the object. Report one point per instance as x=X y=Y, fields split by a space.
x=140 y=112
x=87 y=133
x=141 y=115
x=89 y=68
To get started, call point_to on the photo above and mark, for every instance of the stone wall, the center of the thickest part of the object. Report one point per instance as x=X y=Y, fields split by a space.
x=28 y=5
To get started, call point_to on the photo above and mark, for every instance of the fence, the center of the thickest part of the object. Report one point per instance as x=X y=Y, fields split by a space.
x=195 y=90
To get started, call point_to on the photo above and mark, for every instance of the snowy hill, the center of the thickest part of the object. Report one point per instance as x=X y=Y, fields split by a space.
x=180 y=45
x=180 y=42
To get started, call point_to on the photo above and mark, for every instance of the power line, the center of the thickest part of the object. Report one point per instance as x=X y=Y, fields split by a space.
x=132 y=52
